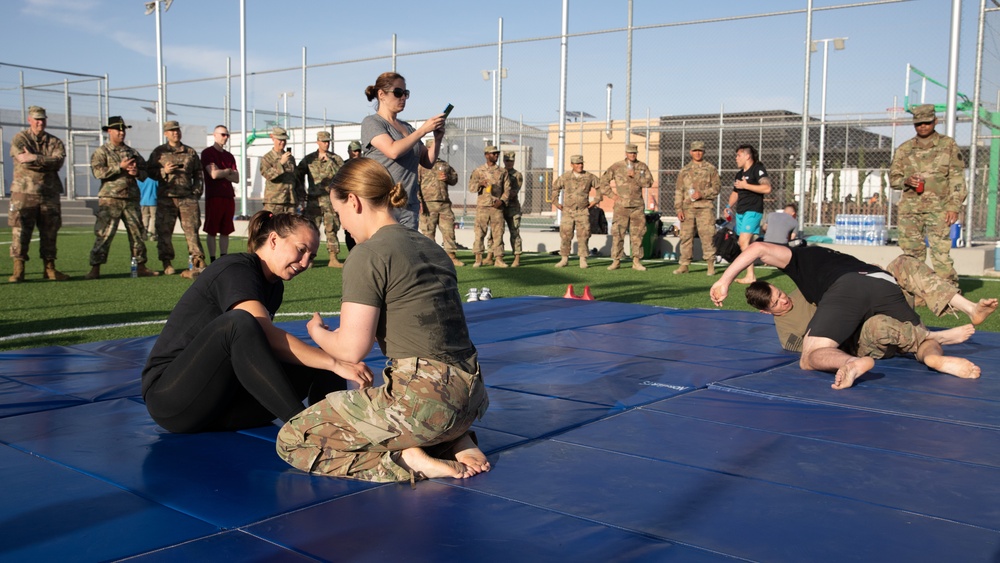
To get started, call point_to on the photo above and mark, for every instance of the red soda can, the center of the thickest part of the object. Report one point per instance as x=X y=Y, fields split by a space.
x=919 y=188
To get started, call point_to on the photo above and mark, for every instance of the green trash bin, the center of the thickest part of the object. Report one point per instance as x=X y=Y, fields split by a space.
x=652 y=232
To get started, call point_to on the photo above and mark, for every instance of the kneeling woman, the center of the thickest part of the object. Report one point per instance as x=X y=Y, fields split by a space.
x=400 y=289
x=219 y=363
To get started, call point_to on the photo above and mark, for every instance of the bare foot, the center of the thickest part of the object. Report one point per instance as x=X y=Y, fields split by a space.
x=746 y=280
x=852 y=370
x=983 y=309
x=955 y=335
x=959 y=367
x=427 y=467
x=469 y=455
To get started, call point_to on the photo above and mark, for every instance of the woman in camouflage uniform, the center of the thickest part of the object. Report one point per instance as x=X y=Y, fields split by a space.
x=401 y=290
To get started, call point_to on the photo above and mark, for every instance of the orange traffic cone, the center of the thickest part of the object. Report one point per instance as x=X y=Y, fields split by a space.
x=569 y=293
x=587 y=295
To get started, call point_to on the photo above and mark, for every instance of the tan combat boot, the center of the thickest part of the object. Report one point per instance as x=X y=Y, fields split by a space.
x=615 y=264
x=18 y=275
x=94 y=273
x=711 y=267
x=489 y=256
x=637 y=265
x=562 y=262
x=499 y=263
x=516 y=262
x=335 y=262
x=479 y=260
x=51 y=273
x=168 y=270
x=455 y=260
x=141 y=271
x=583 y=262
x=682 y=270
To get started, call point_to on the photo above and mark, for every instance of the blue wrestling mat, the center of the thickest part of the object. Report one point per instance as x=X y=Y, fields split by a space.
x=616 y=433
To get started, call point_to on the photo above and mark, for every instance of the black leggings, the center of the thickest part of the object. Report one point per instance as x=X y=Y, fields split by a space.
x=228 y=378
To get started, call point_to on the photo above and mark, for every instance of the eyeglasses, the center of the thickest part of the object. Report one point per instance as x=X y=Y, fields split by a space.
x=399 y=92
x=223 y=134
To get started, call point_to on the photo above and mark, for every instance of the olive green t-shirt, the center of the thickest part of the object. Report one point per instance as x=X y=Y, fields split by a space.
x=792 y=326
x=412 y=282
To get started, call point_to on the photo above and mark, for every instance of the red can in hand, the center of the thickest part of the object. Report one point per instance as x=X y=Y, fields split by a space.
x=919 y=188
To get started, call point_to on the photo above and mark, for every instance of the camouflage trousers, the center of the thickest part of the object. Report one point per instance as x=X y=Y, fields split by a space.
x=884 y=337
x=280 y=207
x=915 y=227
x=703 y=219
x=28 y=211
x=439 y=214
x=916 y=279
x=109 y=211
x=358 y=433
x=633 y=221
x=489 y=218
x=512 y=218
x=149 y=220
x=574 y=220
x=320 y=210
x=167 y=211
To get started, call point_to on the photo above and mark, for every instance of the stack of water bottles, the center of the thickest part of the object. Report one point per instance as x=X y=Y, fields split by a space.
x=861 y=230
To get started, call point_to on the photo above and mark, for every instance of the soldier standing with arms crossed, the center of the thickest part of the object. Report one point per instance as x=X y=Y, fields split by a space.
x=492 y=184
x=929 y=170
x=698 y=184
x=630 y=177
x=436 y=204
x=281 y=189
x=35 y=192
x=118 y=167
x=319 y=167
x=512 y=211
x=220 y=197
x=177 y=169
x=575 y=204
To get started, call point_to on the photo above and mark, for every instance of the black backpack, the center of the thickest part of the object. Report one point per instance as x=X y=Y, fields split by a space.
x=727 y=244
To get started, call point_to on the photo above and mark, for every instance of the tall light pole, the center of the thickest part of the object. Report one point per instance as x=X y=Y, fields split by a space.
x=284 y=108
x=487 y=74
x=154 y=7
x=838 y=44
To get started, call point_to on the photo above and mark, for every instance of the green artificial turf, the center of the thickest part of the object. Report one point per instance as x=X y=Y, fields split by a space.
x=78 y=306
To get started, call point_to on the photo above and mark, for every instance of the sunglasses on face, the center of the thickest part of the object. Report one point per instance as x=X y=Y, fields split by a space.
x=223 y=134
x=399 y=92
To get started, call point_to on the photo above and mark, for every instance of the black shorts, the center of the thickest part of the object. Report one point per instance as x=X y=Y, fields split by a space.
x=853 y=299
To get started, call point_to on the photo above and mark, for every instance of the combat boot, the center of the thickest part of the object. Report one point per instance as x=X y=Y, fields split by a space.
x=682 y=270
x=479 y=260
x=168 y=270
x=455 y=260
x=334 y=262
x=711 y=267
x=489 y=256
x=141 y=271
x=562 y=262
x=499 y=263
x=615 y=264
x=583 y=262
x=94 y=273
x=51 y=273
x=198 y=262
x=637 y=265
x=18 y=275
x=516 y=262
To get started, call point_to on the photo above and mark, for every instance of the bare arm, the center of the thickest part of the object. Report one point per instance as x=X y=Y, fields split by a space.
x=771 y=254
x=393 y=149
x=355 y=337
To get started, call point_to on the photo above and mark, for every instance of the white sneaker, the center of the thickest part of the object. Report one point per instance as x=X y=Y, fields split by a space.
x=472 y=295
x=484 y=294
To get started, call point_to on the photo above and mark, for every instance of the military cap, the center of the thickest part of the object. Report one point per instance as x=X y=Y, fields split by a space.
x=631 y=148
x=279 y=133
x=490 y=149
x=116 y=122
x=171 y=126
x=509 y=155
x=354 y=146
x=323 y=136
x=37 y=112
x=697 y=146
x=923 y=113
x=576 y=159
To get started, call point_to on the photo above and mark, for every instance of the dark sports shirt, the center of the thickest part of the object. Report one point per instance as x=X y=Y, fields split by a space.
x=748 y=200
x=815 y=268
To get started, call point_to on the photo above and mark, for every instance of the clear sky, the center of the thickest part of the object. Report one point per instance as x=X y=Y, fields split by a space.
x=749 y=64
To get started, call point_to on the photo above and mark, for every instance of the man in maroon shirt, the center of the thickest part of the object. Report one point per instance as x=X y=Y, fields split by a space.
x=220 y=198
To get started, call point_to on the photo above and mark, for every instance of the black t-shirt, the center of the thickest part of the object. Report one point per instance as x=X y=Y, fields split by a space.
x=230 y=280
x=815 y=268
x=748 y=200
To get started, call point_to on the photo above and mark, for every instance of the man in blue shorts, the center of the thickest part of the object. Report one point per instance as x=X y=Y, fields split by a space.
x=747 y=198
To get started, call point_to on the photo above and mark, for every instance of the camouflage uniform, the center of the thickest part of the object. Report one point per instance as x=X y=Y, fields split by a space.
x=282 y=191
x=487 y=181
x=437 y=204
x=576 y=201
x=699 y=177
x=512 y=212
x=629 y=211
x=177 y=195
x=939 y=160
x=35 y=192
x=117 y=199
x=318 y=208
x=359 y=433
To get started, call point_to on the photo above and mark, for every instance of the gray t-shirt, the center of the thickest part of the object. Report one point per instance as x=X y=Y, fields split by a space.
x=780 y=227
x=402 y=169
x=411 y=280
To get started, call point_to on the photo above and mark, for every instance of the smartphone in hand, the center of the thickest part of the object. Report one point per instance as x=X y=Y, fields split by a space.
x=447 y=110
